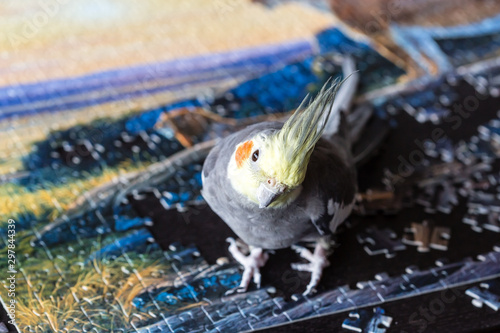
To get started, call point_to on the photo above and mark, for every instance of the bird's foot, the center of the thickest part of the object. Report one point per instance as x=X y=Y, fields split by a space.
x=317 y=262
x=251 y=265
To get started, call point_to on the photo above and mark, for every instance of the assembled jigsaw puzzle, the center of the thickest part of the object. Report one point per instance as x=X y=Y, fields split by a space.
x=108 y=110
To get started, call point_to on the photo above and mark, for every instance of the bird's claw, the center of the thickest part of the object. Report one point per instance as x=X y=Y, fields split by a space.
x=303 y=252
x=238 y=244
x=232 y=244
x=317 y=262
x=251 y=265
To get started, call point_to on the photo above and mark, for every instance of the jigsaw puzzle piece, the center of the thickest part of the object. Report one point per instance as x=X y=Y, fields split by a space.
x=490 y=131
x=484 y=149
x=483 y=201
x=447 y=198
x=443 y=149
x=171 y=286
x=440 y=196
x=300 y=307
x=380 y=242
x=255 y=308
x=385 y=288
x=69 y=228
x=426 y=236
x=279 y=313
x=125 y=218
x=330 y=301
x=238 y=312
x=488 y=264
x=434 y=114
x=420 y=236
x=138 y=240
x=340 y=298
x=374 y=201
x=191 y=286
x=440 y=238
x=365 y=321
x=377 y=290
x=469 y=270
x=479 y=222
x=420 y=281
x=428 y=197
x=487 y=293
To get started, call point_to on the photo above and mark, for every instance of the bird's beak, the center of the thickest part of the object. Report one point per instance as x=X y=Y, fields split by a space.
x=267 y=194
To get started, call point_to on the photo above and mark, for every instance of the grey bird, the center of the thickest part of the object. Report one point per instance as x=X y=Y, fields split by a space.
x=276 y=184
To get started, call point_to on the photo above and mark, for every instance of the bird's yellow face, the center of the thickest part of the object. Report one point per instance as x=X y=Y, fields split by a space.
x=260 y=170
x=270 y=167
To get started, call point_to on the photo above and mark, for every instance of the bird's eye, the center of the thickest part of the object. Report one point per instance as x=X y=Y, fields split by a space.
x=255 y=155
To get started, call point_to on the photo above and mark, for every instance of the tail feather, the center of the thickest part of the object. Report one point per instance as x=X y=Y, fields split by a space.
x=356 y=130
x=357 y=120
x=344 y=97
x=375 y=132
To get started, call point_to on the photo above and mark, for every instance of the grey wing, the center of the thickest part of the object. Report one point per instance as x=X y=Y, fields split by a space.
x=331 y=180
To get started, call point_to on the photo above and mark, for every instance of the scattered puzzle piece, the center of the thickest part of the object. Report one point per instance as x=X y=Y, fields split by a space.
x=380 y=241
x=374 y=201
x=479 y=222
x=487 y=293
x=426 y=236
x=366 y=322
x=438 y=197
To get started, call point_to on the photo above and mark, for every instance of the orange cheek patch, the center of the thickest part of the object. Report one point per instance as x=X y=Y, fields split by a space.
x=243 y=152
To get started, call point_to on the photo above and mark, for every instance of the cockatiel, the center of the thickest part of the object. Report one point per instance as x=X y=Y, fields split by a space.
x=278 y=184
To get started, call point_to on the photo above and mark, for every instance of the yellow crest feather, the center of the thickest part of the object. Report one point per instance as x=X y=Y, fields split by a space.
x=292 y=146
